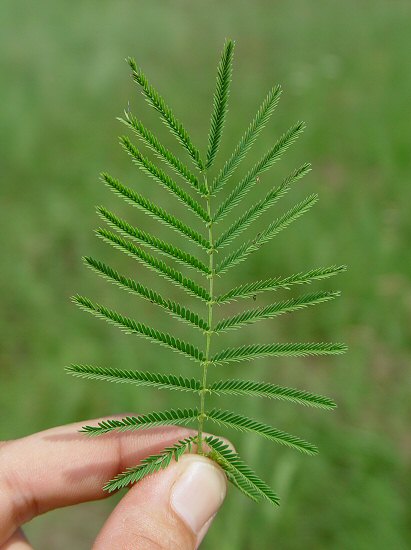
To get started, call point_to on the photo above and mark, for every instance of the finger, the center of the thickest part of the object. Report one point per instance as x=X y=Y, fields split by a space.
x=170 y=509
x=17 y=542
x=60 y=467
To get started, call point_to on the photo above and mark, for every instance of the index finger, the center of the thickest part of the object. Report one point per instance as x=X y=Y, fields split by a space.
x=60 y=467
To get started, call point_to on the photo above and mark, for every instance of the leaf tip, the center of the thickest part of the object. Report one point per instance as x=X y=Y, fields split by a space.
x=132 y=63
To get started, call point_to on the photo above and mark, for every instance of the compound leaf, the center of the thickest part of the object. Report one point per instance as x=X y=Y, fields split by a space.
x=139 y=378
x=134 y=287
x=256 y=351
x=150 y=140
x=155 y=211
x=166 y=114
x=154 y=264
x=130 y=326
x=261 y=118
x=221 y=94
x=273 y=229
x=150 y=465
x=248 y=290
x=272 y=391
x=274 y=310
x=239 y=473
x=179 y=417
x=152 y=170
x=257 y=209
x=245 y=424
x=142 y=237
x=272 y=156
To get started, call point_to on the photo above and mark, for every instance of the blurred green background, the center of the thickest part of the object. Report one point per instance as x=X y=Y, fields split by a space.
x=345 y=70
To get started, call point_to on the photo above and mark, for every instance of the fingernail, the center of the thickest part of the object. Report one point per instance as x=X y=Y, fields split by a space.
x=198 y=492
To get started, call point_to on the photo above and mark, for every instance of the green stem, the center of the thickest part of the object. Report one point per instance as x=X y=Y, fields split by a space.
x=206 y=361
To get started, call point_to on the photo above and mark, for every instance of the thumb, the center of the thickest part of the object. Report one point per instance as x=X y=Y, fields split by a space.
x=170 y=509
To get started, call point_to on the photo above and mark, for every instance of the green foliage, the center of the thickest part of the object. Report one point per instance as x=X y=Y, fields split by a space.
x=162 y=152
x=260 y=120
x=273 y=310
x=244 y=424
x=252 y=289
x=252 y=177
x=255 y=351
x=159 y=381
x=155 y=211
x=157 y=102
x=134 y=242
x=129 y=326
x=273 y=229
x=265 y=389
x=152 y=263
x=220 y=101
x=258 y=209
x=177 y=310
x=239 y=473
x=151 y=241
x=157 y=174
x=149 y=465
x=144 y=421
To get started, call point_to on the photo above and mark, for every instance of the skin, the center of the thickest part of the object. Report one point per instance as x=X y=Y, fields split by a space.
x=61 y=467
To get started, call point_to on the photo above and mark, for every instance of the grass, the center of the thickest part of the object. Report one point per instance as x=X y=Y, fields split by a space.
x=344 y=68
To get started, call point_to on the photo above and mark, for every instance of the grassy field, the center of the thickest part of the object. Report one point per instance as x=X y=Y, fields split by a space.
x=344 y=67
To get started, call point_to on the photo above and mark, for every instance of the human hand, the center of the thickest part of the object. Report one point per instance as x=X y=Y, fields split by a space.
x=59 y=467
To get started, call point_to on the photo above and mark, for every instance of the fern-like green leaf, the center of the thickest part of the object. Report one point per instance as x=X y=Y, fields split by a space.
x=257 y=209
x=142 y=237
x=154 y=264
x=302 y=278
x=260 y=120
x=139 y=378
x=272 y=391
x=245 y=424
x=130 y=326
x=166 y=114
x=178 y=311
x=256 y=351
x=273 y=229
x=272 y=156
x=156 y=173
x=155 y=211
x=273 y=310
x=221 y=94
x=171 y=172
x=179 y=417
x=150 y=465
x=149 y=139
x=239 y=473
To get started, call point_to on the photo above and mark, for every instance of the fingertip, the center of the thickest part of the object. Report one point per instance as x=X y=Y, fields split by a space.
x=198 y=491
x=172 y=508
